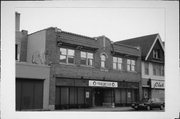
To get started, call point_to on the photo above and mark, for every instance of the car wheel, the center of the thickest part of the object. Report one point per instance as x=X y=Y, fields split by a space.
x=161 y=107
x=148 y=108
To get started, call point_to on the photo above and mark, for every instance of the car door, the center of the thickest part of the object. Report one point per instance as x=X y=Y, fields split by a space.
x=153 y=103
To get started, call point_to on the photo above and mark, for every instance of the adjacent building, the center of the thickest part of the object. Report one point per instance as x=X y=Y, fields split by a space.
x=152 y=65
x=32 y=80
x=86 y=71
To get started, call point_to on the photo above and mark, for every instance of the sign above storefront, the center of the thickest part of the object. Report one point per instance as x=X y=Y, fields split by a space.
x=103 y=83
x=157 y=84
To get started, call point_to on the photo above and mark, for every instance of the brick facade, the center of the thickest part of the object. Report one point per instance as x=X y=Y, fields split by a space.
x=55 y=39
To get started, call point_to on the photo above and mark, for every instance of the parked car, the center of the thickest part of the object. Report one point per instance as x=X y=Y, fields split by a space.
x=148 y=104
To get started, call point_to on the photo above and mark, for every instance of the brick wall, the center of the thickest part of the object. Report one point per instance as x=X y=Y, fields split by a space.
x=23 y=52
x=78 y=71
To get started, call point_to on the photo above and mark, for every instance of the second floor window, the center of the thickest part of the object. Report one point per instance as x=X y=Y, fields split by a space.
x=146 y=68
x=87 y=58
x=158 y=70
x=103 y=60
x=117 y=63
x=66 y=56
x=130 y=65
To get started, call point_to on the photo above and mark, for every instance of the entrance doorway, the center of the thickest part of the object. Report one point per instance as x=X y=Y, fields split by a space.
x=99 y=96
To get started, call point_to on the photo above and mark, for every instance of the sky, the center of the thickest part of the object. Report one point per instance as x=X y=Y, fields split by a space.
x=116 y=23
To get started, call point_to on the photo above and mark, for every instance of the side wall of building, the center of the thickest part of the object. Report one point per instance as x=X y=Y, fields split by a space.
x=36 y=47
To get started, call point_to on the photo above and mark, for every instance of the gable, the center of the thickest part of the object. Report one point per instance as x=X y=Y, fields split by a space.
x=156 y=53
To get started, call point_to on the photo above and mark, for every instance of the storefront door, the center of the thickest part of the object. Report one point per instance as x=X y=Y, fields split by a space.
x=99 y=95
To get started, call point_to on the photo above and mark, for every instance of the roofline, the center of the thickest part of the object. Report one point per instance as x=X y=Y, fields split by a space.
x=92 y=38
x=39 y=31
x=115 y=43
x=157 y=38
x=79 y=35
x=138 y=37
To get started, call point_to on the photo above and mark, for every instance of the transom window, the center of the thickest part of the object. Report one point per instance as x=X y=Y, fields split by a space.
x=103 y=60
x=130 y=65
x=86 y=58
x=66 y=56
x=117 y=63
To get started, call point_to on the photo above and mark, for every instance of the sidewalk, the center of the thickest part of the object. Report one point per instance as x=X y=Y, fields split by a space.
x=109 y=109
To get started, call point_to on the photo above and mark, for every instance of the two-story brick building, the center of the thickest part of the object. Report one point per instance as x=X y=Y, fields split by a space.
x=86 y=71
x=152 y=67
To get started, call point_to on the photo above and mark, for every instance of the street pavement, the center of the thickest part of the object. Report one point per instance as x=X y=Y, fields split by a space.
x=111 y=109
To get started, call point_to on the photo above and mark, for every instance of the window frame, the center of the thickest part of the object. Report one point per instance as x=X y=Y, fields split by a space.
x=118 y=62
x=17 y=53
x=87 y=58
x=67 y=55
x=146 y=68
x=156 y=53
x=158 y=70
x=103 y=61
x=131 y=65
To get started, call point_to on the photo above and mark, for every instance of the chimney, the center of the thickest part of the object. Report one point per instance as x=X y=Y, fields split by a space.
x=17 y=21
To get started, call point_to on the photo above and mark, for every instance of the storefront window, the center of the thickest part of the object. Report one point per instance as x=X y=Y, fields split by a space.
x=80 y=95
x=66 y=56
x=72 y=95
x=64 y=96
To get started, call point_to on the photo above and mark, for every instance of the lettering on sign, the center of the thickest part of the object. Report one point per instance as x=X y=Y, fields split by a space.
x=103 y=83
x=157 y=84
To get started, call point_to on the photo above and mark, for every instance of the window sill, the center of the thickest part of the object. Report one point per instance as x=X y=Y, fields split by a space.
x=104 y=69
x=132 y=71
x=86 y=66
x=67 y=64
x=118 y=70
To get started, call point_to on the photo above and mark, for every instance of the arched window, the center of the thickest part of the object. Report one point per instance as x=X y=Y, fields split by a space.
x=103 y=60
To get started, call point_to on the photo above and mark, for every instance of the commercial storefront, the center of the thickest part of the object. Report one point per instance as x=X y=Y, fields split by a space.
x=157 y=89
x=154 y=89
x=77 y=93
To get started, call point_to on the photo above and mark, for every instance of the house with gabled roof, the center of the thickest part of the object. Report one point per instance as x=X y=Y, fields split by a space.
x=152 y=66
